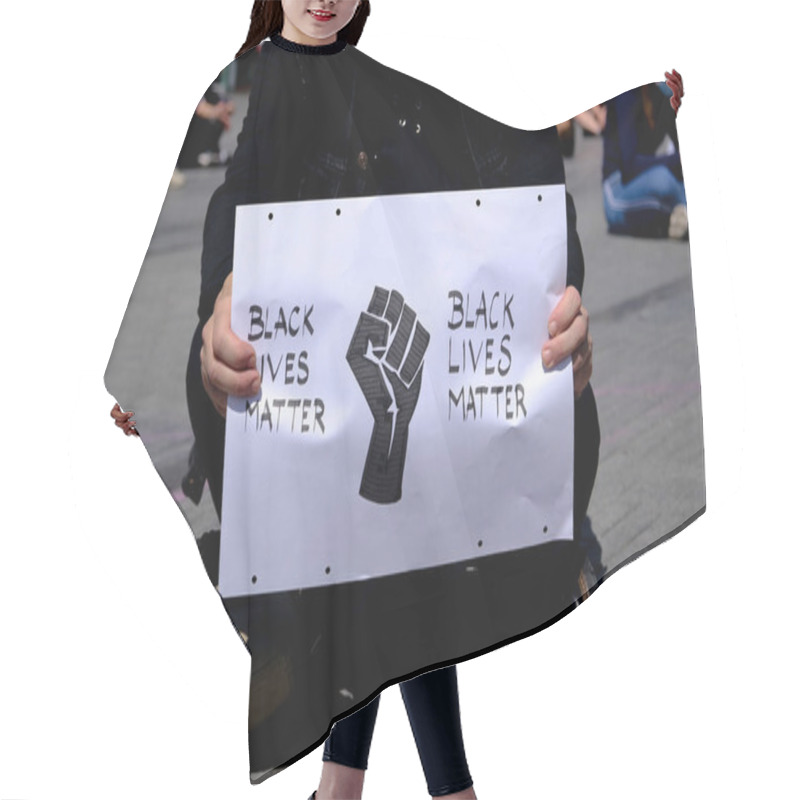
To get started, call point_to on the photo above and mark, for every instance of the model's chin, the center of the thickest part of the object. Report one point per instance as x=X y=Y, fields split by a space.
x=320 y=37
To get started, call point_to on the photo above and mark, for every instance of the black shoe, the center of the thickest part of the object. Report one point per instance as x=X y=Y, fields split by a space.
x=195 y=479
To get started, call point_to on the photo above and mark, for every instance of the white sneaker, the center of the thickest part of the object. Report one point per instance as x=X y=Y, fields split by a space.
x=212 y=159
x=679 y=223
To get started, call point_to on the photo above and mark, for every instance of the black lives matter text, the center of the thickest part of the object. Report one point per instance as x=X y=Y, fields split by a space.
x=479 y=349
x=284 y=366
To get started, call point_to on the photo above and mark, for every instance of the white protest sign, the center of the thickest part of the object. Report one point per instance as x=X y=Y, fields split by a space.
x=404 y=419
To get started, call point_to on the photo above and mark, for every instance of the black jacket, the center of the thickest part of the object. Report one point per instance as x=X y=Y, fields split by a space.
x=334 y=123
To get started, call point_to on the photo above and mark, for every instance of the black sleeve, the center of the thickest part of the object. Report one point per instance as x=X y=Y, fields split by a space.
x=574 y=250
x=239 y=187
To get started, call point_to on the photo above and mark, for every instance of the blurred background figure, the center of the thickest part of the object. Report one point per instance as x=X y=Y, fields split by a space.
x=211 y=118
x=643 y=191
x=592 y=122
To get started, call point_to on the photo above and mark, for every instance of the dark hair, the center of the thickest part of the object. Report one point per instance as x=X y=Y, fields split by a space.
x=266 y=18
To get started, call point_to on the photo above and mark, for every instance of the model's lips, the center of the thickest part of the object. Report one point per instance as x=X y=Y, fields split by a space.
x=321 y=15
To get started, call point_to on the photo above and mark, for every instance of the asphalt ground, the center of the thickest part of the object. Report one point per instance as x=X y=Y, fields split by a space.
x=646 y=379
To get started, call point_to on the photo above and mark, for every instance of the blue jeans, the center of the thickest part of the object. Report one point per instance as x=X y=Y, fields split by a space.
x=642 y=206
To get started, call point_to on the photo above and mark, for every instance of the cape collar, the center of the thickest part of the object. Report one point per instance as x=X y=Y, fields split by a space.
x=307 y=49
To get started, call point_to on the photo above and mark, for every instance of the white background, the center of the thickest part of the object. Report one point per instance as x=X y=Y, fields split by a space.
x=120 y=674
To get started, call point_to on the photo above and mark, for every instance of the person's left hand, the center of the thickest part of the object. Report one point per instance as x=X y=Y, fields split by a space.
x=568 y=327
x=675 y=82
x=124 y=420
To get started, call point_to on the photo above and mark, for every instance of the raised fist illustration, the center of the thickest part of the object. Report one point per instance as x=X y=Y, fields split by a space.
x=385 y=355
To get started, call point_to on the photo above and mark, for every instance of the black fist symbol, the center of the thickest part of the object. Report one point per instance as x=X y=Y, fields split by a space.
x=385 y=355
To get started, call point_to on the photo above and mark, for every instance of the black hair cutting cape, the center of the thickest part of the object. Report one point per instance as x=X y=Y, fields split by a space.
x=330 y=124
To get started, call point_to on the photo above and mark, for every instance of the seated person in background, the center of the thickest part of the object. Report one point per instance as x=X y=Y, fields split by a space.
x=201 y=145
x=643 y=191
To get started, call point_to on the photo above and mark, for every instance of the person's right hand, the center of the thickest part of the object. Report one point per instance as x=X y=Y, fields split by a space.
x=227 y=364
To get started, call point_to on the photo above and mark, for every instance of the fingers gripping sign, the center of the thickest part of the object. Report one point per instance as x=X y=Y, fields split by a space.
x=385 y=355
x=568 y=327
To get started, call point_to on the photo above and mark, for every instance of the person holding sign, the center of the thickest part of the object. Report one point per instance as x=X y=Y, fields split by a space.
x=227 y=367
x=404 y=150
x=223 y=365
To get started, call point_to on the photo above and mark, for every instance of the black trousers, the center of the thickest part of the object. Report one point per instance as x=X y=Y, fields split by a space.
x=432 y=705
x=202 y=137
x=431 y=699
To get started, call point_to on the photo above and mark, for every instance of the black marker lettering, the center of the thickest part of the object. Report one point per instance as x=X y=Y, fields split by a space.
x=458 y=308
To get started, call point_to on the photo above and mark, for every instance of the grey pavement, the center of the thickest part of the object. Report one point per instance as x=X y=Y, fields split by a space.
x=639 y=295
x=646 y=377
